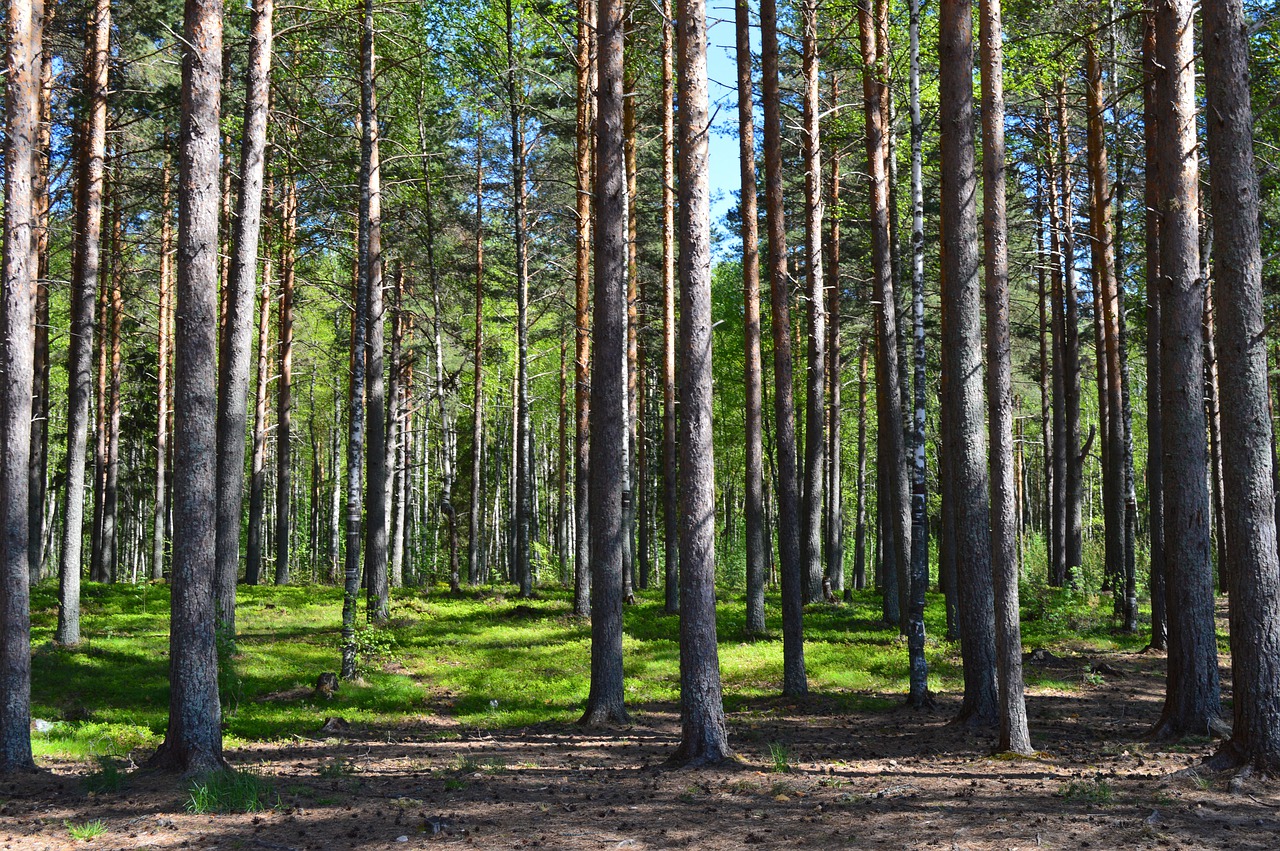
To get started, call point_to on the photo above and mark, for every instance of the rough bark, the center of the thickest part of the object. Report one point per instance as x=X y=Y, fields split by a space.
x=794 y=680
x=375 y=544
x=605 y=704
x=475 y=542
x=1074 y=477
x=284 y=389
x=670 y=493
x=704 y=739
x=964 y=441
x=1014 y=736
x=236 y=349
x=757 y=541
x=833 y=520
x=164 y=342
x=1155 y=437
x=815 y=449
x=193 y=741
x=17 y=364
x=860 y=513
x=582 y=286
x=84 y=288
x=1192 y=688
x=257 y=474
x=1254 y=569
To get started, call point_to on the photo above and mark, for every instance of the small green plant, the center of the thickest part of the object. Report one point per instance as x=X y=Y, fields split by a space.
x=1093 y=678
x=336 y=768
x=466 y=764
x=230 y=792
x=108 y=777
x=455 y=784
x=86 y=832
x=780 y=755
x=1096 y=791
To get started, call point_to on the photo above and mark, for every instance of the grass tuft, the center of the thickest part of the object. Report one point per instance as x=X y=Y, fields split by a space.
x=780 y=756
x=1097 y=791
x=230 y=792
x=86 y=832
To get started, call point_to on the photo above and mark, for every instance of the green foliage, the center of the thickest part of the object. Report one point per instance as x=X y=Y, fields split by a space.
x=86 y=832
x=230 y=792
x=1096 y=791
x=780 y=756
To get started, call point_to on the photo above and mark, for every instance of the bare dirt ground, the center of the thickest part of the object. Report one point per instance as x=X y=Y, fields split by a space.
x=889 y=779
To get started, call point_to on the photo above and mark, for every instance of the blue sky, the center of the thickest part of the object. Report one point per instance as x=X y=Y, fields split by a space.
x=722 y=73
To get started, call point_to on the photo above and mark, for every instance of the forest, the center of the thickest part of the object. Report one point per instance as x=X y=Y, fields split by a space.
x=609 y=423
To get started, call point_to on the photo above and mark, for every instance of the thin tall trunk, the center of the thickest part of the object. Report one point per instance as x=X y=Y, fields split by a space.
x=1155 y=437
x=919 y=565
x=815 y=449
x=1074 y=477
x=1213 y=413
x=164 y=341
x=670 y=495
x=860 y=515
x=38 y=463
x=375 y=550
x=233 y=359
x=110 y=529
x=834 y=519
x=794 y=680
x=704 y=739
x=1254 y=571
x=193 y=742
x=582 y=329
x=605 y=703
x=757 y=542
x=84 y=289
x=523 y=438
x=1062 y=448
x=1014 y=736
x=354 y=504
x=475 y=543
x=1192 y=692
x=257 y=476
x=961 y=348
x=630 y=495
x=284 y=390
x=17 y=361
x=1103 y=248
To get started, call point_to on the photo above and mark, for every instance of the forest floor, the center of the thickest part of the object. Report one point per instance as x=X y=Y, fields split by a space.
x=438 y=746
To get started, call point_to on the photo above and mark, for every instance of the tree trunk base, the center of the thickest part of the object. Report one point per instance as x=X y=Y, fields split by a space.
x=701 y=756
x=192 y=763
x=601 y=716
x=1168 y=729
x=922 y=701
x=1245 y=762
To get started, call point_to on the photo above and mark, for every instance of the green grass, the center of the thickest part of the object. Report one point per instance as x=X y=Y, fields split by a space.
x=1097 y=791
x=780 y=757
x=485 y=658
x=230 y=792
x=88 y=831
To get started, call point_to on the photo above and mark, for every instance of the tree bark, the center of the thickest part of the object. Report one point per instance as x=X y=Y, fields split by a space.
x=1014 y=736
x=1155 y=437
x=605 y=703
x=284 y=389
x=757 y=540
x=670 y=494
x=1213 y=414
x=164 y=342
x=375 y=547
x=193 y=741
x=1254 y=571
x=475 y=542
x=110 y=529
x=964 y=440
x=17 y=362
x=794 y=680
x=582 y=569
x=815 y=448
x=1073 y=528
x=84 y=289
x=1192 y=689
x=257 y=476
x=704 y=739
x=860 y=514
x=233 y=359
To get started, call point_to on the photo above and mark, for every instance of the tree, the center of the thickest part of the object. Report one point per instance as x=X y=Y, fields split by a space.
x=193 y=741
x=1155 y=438
x=1004 y=530
x=608 y=379
x=84 y=288
x=17 y=363
x=475 y=545
x=794 y=681
x=757 y=533
x=164 y=345
x=1191 y=688
x=670 y=494
x=1254 y=572
x=582 y=290
x=704 y=739
x=375 y=547
x=961 y=364
x=814 y=439
x=233 y=359
x=284 y=387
